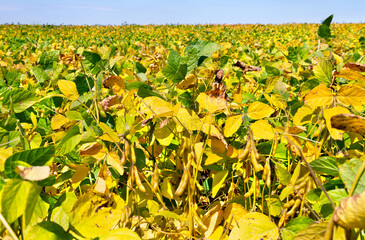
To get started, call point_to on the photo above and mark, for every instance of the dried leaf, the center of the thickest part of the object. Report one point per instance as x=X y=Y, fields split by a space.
x=35 y=173
x=109 y=101
x=351 y=212
x=115 y=83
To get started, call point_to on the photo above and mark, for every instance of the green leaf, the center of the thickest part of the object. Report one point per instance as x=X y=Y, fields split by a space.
x=314 y=231
x=323 y=71
x=196 y=52
x=20 y=99
x=272 y=71
x=175 y=70
x=62 y=209
x=48 y=231
x=326 y=165
x=40 y=74
x=218 y=180
x=47 y=59
x=83 y=82
x=140 y=68
x=348 y=171
x=324 y=31
x=69 y=142
x=282 y=174
x=294 y=226
x=13 y=78
x=19 y=198
x=33 y=157
x=328 y=20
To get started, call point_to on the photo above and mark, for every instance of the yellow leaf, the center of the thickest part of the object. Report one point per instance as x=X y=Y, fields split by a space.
x=109 y=134
x=277 y=101
x=217 y=234
x=235 y=211
x=57 y=121
x=68 y=88
x=167 y=189
x=261 y=129
x=212 y=222
x=212 y=158
x=165 y=134
x=313 y=232
x=210 y=103
x=188 y=82
x=232 y=124
x=189 y=119
x=351 y=95
x=253 y=226
x=218 y=180
x=318 y=96
x=304 y=115
x=4 y=154
x=95 y=214
x=258 y=110
x=120 y=233
x=351 y=212
x=114 y=160
x=79 y=175
x=35 y=173
x=353 y=72
x=349 y=123
x=115 y=83
x=155 y=106
x=95 y=150
x=328 y=113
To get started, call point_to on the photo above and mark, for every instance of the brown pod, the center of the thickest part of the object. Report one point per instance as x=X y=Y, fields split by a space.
x=183 y=182
x=256 y=165
x=131 y=178
x=246 y=151
x=138 y=179
x=127 y=150
x=155 y=178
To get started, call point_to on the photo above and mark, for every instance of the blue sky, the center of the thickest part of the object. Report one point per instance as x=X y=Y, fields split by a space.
x=115 y=12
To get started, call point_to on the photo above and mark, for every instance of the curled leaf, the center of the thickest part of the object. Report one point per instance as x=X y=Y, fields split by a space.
x=115 y=83
x=349 y=122
x=351 y=212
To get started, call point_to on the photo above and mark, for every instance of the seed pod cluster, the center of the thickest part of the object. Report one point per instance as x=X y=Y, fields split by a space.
x=301 y=188
x=255 y=188
x=251 y=149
